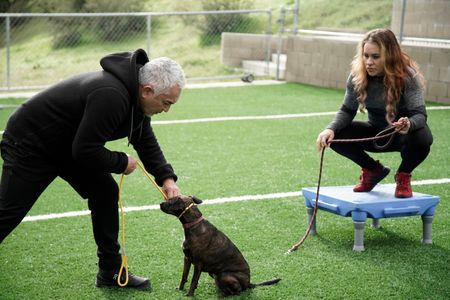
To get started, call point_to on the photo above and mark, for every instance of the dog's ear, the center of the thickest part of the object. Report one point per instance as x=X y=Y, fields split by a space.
x=196 y=200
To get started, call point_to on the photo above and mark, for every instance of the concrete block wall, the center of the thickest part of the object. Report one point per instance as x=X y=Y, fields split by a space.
x=326 y=62
x=319 y=61
x=435 y=65
x=237 y=47
x=423 y=18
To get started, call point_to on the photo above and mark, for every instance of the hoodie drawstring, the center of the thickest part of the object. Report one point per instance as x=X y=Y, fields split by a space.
x=131 y=125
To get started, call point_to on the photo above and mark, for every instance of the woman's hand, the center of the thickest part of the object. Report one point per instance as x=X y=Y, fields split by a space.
x=324 y=138
x=402 y=125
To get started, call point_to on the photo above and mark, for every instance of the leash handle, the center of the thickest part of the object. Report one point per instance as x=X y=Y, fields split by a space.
x=124 y=263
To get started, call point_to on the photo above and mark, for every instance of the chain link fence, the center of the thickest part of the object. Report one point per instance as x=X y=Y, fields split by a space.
x=37 y=49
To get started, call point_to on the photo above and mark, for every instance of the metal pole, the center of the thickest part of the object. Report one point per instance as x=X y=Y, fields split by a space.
x=268 y=41
x=402 y=21
x=280 y=40
x=296 y=7
x=149 y=34
x=8 y=46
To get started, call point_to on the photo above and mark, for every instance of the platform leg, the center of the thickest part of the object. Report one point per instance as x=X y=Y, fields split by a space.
x=376 y=223
x=427 y=230
x=310 y=211
x=358 y=236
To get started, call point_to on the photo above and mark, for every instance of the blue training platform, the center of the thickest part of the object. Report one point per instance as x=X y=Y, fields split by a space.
x=377 y=204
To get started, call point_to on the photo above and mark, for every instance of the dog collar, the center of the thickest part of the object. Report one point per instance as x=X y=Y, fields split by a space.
x=192 y=224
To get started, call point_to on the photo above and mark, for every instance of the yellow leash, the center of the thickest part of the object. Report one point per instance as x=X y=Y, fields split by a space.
x=124 y=264
x=152 y=180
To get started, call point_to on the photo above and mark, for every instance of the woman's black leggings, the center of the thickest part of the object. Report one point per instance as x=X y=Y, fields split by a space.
x=413 y=147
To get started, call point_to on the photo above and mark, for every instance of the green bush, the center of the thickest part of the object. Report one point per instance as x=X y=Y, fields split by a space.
x=66 y=40
x=213 y=25
x=113 y=29
x=116 y=28
x=66 y=32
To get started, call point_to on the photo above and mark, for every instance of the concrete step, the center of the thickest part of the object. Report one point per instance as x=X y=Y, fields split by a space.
x=283 y=58
x=262 y=68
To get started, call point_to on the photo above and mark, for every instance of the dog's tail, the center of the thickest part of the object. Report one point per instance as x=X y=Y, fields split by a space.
x=268 y=282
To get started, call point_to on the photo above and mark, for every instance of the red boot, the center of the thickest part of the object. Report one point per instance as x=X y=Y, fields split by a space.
x=403 y=189
x=370 y=178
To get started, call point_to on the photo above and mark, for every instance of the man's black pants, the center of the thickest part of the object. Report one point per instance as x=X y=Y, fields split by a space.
x=26 y=175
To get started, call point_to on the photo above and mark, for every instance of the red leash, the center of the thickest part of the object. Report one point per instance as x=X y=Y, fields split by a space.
x=381 y=135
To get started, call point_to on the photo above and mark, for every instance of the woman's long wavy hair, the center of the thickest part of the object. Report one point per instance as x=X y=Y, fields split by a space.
x=396 y=64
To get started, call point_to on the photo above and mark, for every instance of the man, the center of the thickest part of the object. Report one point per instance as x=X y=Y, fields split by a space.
x=62 y=132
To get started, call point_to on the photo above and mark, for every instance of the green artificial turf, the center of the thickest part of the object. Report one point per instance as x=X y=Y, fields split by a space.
x=56 y=259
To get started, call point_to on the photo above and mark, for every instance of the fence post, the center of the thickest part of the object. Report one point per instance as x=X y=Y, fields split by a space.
x=268 y=40
x=149 y=34
x=7 y=46
x=280 y=39
x=296 y=8
x=402 y=21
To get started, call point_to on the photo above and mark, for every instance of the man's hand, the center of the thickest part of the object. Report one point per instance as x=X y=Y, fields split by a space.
x=170 y=188
x=131 y=166
x=324 y=138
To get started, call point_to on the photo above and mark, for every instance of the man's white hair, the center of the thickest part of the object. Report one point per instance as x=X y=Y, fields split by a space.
x=162 y=74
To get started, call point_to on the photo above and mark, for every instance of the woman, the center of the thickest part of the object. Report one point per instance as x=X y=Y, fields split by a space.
x=385 y=82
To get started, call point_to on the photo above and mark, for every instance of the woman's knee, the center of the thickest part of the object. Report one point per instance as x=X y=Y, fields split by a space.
x=421 y=139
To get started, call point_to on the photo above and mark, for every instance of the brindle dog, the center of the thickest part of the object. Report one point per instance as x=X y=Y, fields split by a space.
x=209 y=250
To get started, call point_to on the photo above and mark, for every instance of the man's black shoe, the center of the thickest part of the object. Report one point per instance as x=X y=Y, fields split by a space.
x=108 y=278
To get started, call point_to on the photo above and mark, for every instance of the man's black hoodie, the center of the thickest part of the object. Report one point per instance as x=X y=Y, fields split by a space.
x=73 y=119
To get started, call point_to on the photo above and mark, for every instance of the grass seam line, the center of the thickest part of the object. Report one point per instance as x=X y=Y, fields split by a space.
x=266 y=117
x=210 y=201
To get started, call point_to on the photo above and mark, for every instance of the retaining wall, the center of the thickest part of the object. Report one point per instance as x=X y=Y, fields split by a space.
x=236 y=47
x=423 y=18
x=326 y=61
